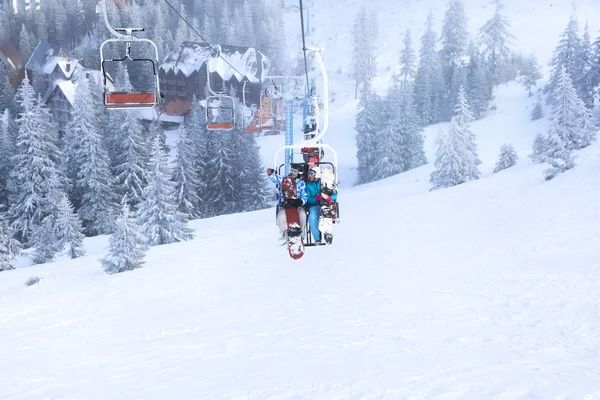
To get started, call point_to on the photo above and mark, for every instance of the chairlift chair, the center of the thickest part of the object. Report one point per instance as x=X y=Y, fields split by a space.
x=126 y=100
x=253 y=123
x=220 y=114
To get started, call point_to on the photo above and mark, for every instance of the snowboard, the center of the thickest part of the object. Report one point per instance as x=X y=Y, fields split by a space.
x=294 y=231
x=327 y=213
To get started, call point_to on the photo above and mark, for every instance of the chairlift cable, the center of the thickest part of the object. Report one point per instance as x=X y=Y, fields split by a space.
x=204 y=40
x=304 y=48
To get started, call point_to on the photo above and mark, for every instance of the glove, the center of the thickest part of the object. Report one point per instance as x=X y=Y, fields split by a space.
x=291 y=203
x=270 y=171
x=319 y=197
x=328 y=200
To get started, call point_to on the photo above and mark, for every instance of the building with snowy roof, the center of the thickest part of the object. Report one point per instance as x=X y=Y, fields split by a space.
x=184 y=74
x=54 y=75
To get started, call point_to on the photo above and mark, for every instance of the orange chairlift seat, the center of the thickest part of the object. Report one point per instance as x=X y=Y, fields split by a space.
x=131 y=99
x=265 y=119
x=220 y=115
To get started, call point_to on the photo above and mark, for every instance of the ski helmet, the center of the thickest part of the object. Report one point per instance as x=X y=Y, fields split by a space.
x=317 y=172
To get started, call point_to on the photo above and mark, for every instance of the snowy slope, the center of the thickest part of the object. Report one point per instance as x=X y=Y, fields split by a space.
x=487 y=290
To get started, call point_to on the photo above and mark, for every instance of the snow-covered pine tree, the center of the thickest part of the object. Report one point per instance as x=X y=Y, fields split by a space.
x=6 y=90
x=243 y=25
x=255 y=190
x=224 y=184
x=34 y=172
x=207 y=29
x=508 y=157
x=565 y=56
x=277 y=38
x=360 y=54
x=225 y=30
x=237 y=154
x=10 y=247
x=583 y=79
x=8 y=129
x=389 y=159
x=185 y=176
x=182 y=34
x=457 y=82
x=412 y=132
x=160 y=34
x=455 y=39
x=41 y=26
x=537 y=112
x=558 y=156
x=540 y=148
x=157 y=130
x=372 y=34
x=595 y=71
x=52 y=137
x=531 y=73
x=270 y=38
x=161 y=221
x=368 y=126
x=25 y=48
x=456 y=154
x=407 y=59
x=6 y=17
x=6 y=152
x=130 y=155
x=201 y=137
x=429 y=82
x=449 y=163
x=479 y=90
x=461 y=121
x=91 y=164
x=494 y=39
x=126 y=245
x=571 y=120
x=44 y=241
x=68 y=229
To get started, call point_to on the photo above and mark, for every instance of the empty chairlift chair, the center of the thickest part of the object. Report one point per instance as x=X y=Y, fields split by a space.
x=117 y=98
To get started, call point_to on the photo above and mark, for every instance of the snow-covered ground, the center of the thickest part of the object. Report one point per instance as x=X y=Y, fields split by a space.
x=488 y=290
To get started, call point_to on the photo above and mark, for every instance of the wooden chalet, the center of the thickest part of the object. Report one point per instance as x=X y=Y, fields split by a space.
x=53 y=64
x=183 y=75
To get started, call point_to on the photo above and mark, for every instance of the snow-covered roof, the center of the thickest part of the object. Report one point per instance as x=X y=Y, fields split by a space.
x=43 y=53
x=68 y=88
x=50 y=64
x=68 y=66
x=233 y=61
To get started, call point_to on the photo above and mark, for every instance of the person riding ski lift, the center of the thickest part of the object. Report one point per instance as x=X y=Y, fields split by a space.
x=290 y=203
x=315 y=200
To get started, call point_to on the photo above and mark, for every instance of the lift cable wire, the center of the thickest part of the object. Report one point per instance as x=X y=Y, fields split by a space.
x=204 y=40
x=304 y=48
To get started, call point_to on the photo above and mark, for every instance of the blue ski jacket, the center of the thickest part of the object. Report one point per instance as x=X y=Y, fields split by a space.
x=277 y=179
x=313 y=189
